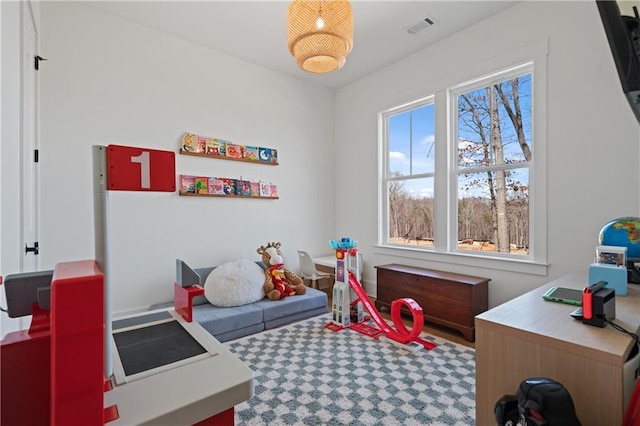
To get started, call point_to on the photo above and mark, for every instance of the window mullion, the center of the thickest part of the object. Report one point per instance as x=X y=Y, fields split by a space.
x=442 y=179
x=411 y=143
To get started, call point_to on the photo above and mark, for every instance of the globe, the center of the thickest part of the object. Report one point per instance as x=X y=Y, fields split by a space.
x=622 y=232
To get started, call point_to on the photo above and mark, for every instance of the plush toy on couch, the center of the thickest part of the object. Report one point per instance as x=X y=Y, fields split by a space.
x=279 y=281
x=234 y=284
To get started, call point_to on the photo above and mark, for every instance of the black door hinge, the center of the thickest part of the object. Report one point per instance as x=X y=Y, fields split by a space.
x=36 y=156
x=36 y=62
x=33 y=249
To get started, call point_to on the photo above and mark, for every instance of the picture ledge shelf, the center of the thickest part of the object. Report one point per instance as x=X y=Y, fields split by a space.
x=248 y=197
x=222 y=157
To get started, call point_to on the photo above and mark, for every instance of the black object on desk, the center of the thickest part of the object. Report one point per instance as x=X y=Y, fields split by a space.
x=598 y=305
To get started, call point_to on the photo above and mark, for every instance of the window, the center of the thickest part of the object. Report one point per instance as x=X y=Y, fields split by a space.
x=410 y=175
x=475 y=197
x=492 y=142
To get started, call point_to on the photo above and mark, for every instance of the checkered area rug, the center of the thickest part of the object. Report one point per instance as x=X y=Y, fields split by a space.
x=306 y=374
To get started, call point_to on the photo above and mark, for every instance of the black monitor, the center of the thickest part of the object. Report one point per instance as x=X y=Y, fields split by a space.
x=623 y=33
x=24 y=289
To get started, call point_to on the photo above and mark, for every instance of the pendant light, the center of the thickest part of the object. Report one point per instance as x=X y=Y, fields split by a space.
x=320 y=34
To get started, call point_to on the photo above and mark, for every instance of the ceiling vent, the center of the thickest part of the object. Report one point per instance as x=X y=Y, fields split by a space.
x=421 y=25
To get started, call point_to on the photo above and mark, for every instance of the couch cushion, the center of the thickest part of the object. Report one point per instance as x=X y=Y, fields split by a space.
x=221 y=320
x=268 y=325
x=241 y=332
x=204 y=273
x=292 y=305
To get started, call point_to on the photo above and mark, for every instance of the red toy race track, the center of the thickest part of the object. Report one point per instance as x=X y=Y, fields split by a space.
x=400 y=334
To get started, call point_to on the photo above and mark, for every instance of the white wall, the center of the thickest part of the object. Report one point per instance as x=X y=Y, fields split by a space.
x=108 y=81
x=591 y=132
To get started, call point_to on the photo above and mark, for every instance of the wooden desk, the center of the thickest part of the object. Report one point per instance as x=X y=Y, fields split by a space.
x=530 y=337
x=328 y=264
x=330 y=261
x=326 y=261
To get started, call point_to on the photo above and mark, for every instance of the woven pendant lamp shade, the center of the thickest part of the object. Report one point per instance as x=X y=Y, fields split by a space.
x=325 y=49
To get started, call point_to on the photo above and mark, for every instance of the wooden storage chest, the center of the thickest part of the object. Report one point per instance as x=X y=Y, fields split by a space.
x=448 y=299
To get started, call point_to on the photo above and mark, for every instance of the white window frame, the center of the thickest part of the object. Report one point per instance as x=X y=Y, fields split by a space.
x=455 y=170
x=385 y=178
x=445 y=177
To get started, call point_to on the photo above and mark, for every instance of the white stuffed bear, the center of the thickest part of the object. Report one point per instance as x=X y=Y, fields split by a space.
x=234 y=284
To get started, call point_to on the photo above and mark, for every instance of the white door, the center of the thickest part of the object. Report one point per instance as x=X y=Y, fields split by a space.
x=29 y=139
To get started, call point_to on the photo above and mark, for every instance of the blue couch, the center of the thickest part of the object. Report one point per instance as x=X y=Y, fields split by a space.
x=231 y=323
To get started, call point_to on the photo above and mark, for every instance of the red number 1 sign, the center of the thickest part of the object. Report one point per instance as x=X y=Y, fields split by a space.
x=140 y=169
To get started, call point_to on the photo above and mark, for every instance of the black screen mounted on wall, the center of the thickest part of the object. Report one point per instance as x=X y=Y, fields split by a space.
x=623 y=34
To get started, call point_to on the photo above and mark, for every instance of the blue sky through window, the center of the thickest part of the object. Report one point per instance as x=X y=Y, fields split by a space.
x=468 y=135
x=412 y=148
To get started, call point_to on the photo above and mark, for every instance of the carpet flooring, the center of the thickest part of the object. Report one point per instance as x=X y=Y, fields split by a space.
x=306 y=374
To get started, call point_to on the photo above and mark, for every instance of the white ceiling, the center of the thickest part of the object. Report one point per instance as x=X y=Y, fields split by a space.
x=255 y=31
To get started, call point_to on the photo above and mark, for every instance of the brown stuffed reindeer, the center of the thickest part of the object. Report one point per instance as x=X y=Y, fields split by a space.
x=279 y=281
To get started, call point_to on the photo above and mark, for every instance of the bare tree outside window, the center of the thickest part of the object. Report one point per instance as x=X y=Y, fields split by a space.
x=494 y=158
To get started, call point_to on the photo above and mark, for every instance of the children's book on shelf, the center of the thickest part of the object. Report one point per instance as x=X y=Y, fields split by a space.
x=187 y=184
x=229 y=186
x=201 y=184
x=251 y=153
x=273 y=188
x=215 y=147
x=234 y=150
x=264 y=154
x=265 y=189
x=201 y=142
x=274 y=156
x=243 y=188
x=255 y=189
x=189 y=142
x=216 y=186
x=194 y=143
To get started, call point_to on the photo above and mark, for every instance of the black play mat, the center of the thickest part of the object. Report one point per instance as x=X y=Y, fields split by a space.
x=150 y=347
